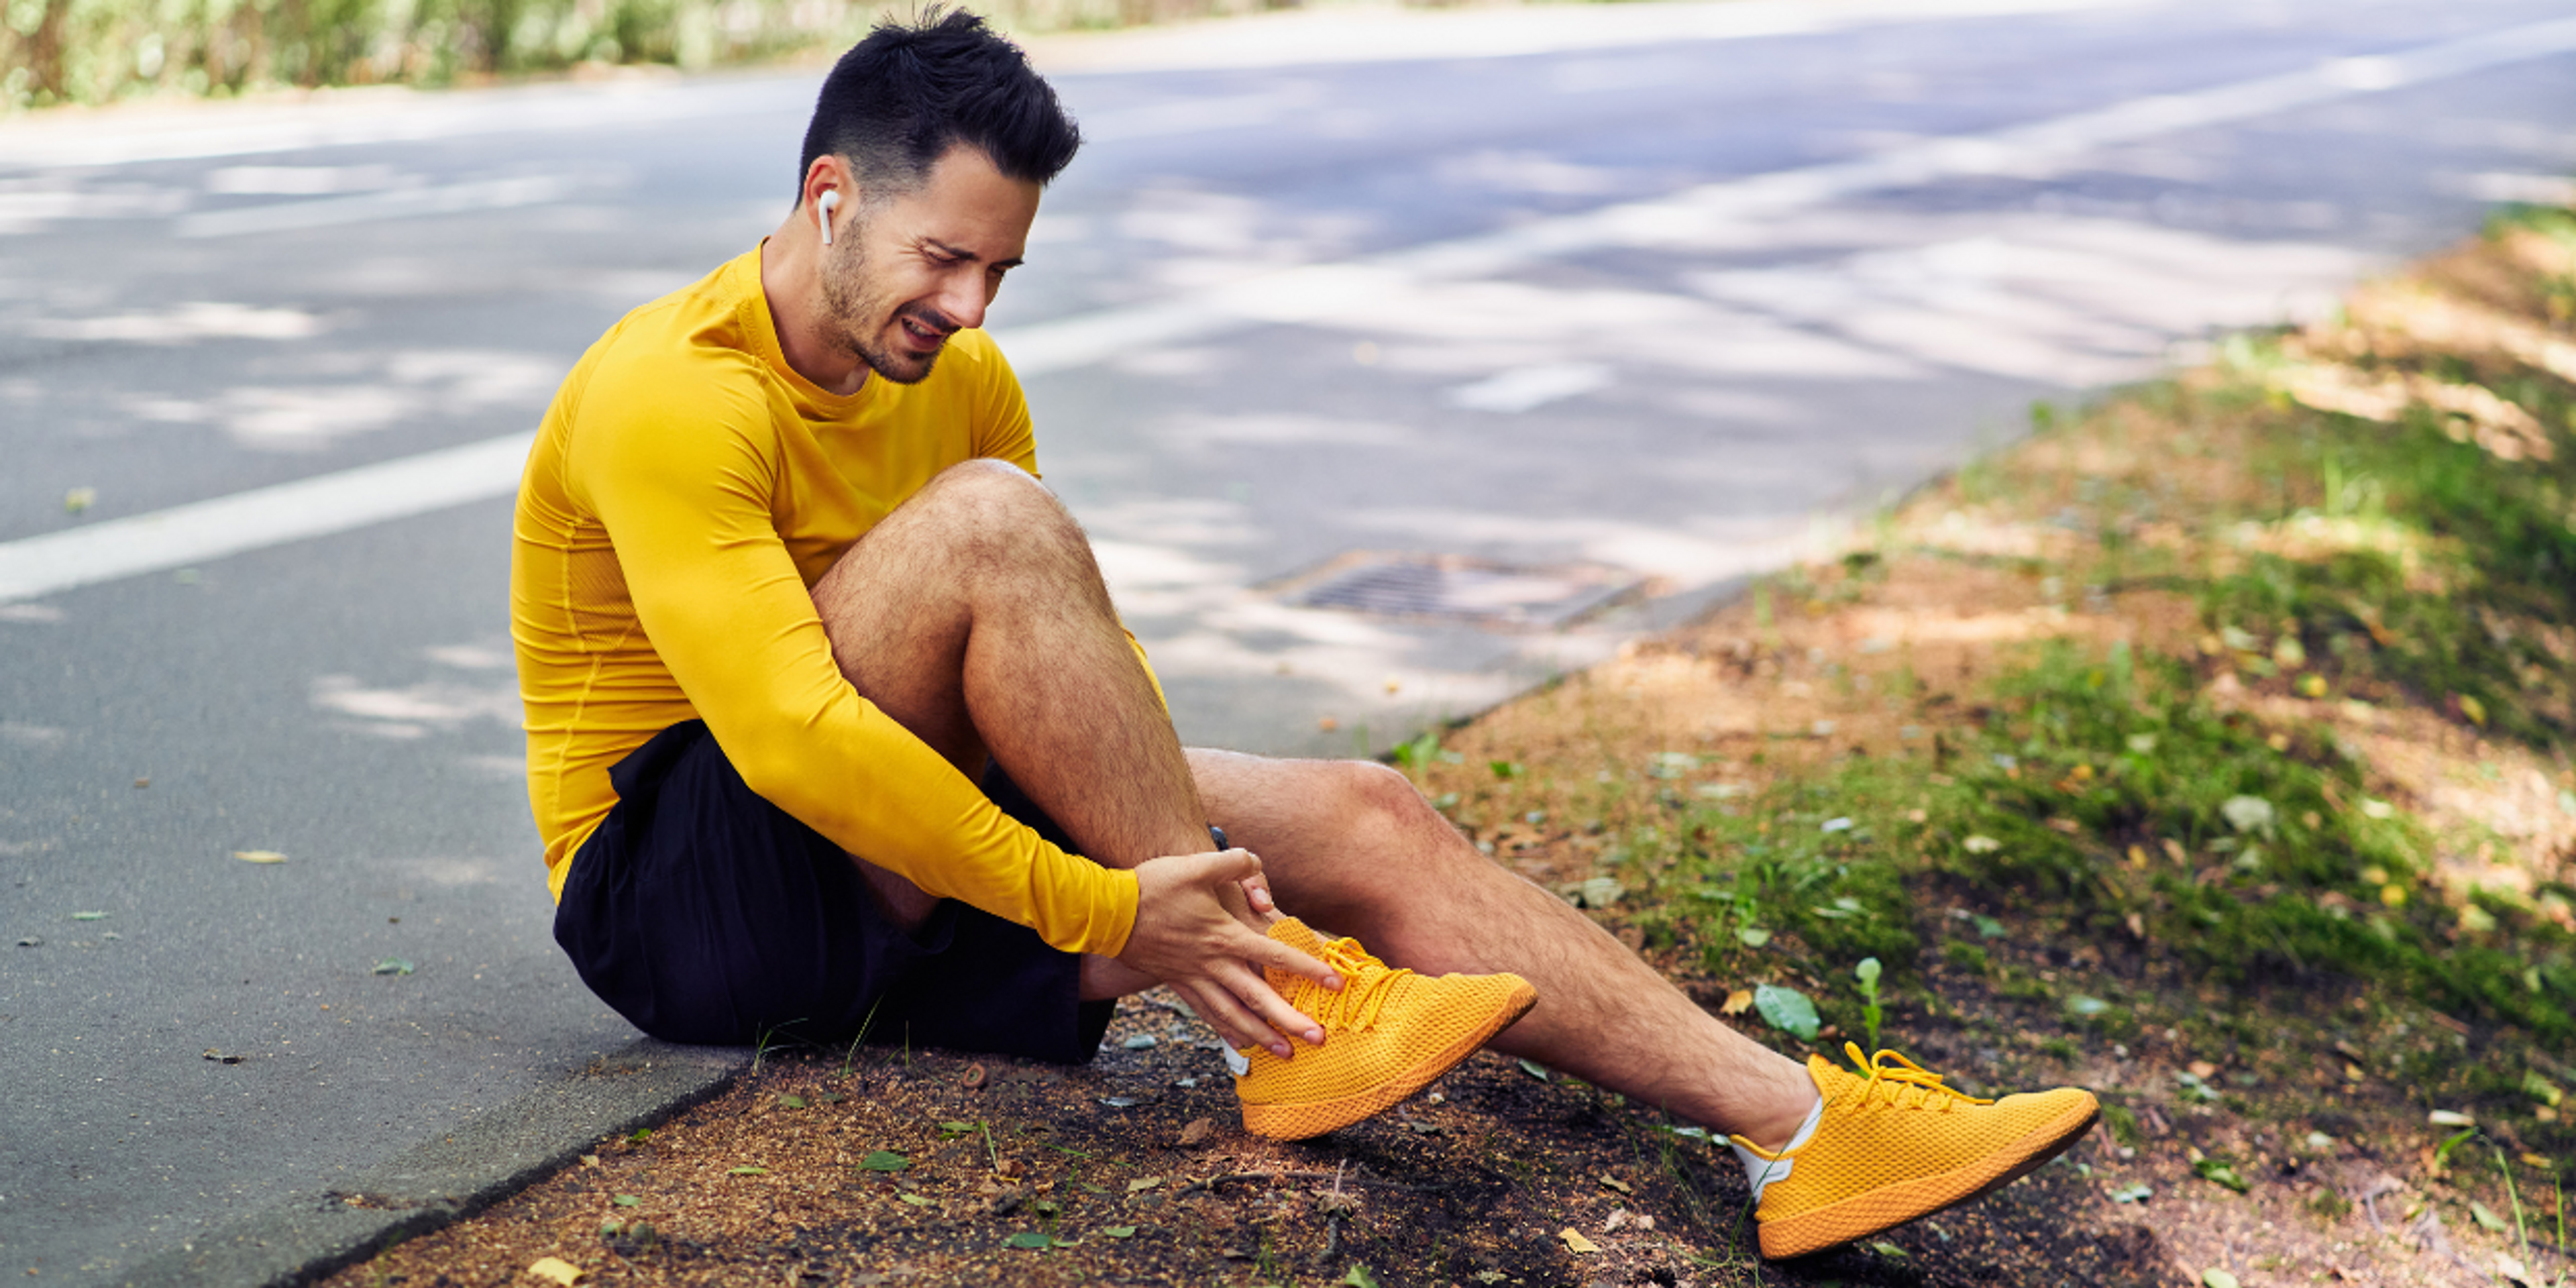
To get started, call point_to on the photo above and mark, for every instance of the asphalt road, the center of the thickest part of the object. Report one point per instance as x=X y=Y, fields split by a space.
x=1653 y=293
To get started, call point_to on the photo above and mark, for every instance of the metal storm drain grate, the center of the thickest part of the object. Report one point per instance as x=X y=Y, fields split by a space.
x=1455 y=588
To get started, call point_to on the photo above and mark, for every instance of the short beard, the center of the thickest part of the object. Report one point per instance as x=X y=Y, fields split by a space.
x=853 y=306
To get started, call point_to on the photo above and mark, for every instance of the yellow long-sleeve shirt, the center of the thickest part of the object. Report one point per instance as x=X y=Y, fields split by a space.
x=686 y=490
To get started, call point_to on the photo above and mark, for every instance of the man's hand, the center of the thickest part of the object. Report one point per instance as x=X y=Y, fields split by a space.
x=1187 y=936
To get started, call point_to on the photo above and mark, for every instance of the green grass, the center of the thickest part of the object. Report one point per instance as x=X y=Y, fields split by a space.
x=2089 y=795
x=2484 y=609
x=2078 y=768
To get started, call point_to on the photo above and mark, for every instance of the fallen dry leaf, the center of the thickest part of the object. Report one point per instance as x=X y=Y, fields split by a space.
x=259 y=856
x=1196 y=1133
x=556 y=1269
x=1575 y=1242
x=1737 y=1002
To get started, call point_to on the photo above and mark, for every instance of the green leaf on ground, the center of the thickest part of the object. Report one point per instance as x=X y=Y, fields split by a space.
x=393 y=966
x=89 y=916
x=914 y=1199
x=2082 y=1005
x=1119 y=1231
x=1885 y=1249
x=1029 y=1239
x=748 y=1170
x=1536 y=1070
x=1753 y=936
x=2486 y=1217
x=884 y=1160
x=2541 y=1089
x=791 y=1102
x=2138 y=1193
x=2248 y=813
x=626 y=1200
x=2219 y=1172
x=1787 y=1010
x=1359 y=1277
x=2217 y=1278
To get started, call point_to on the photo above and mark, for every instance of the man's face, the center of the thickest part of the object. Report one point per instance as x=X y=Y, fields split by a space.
x=905 y=272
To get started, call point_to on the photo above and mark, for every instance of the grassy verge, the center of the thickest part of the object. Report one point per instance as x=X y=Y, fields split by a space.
x=2225 y=724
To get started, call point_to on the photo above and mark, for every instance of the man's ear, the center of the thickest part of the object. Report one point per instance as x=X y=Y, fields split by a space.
x=826 y=193
x=828 y=174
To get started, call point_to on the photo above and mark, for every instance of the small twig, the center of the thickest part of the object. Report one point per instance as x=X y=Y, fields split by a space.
x=1215 y=1181
x=1334 y=1206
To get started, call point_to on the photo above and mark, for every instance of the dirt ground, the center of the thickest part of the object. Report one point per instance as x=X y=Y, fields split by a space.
x=1134 y=1169
x=1476 y=1182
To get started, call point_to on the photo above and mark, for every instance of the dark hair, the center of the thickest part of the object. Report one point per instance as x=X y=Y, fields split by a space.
x=900 y=99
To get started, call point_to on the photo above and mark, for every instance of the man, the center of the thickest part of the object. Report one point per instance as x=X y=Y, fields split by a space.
x=833 y=730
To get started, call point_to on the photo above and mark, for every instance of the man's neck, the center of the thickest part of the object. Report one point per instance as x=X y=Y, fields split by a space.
x=790 y=273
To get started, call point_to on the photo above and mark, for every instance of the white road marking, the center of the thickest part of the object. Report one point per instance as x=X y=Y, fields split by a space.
x=262 y=517
x=398 y=203
x=330 y=503
x=1317 y=291
x=195 y=320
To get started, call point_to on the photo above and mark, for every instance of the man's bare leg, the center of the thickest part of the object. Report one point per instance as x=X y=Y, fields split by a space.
x=975 y=617
x=1353 y=848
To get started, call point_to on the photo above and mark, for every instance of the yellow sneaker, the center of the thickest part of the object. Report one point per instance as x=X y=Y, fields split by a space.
x=1387 y=1034
x=1897 y=1145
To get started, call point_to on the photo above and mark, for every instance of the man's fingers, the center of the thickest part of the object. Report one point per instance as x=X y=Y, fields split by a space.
x=1268 y=952
x=1226 y=865
x=1256 y=892
x=1255 y=992
x=1224 y=1012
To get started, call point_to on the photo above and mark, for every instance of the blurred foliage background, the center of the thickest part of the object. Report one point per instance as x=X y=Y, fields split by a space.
x=98 y=51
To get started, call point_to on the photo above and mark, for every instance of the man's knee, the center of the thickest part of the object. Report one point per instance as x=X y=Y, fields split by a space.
x=988 y=516
x=1374 y=803
x=986 y=496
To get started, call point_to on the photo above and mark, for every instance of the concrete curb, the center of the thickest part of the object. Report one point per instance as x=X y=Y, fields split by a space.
x=484 y=1160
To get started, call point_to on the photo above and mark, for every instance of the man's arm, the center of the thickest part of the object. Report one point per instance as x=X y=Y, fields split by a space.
x=685 y=490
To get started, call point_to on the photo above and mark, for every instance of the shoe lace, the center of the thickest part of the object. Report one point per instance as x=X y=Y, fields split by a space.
x=1365 y=981
x=1904 y=1083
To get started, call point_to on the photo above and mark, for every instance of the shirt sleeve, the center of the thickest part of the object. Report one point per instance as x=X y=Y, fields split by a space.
x=682 y=479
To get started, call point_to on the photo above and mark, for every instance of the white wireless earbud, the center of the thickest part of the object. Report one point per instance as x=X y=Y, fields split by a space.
x=823 y=208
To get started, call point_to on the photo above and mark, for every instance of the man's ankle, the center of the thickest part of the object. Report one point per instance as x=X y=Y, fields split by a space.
x=1784 y=1118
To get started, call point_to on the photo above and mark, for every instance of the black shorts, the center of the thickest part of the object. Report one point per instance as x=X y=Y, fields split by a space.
x=704 y=914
